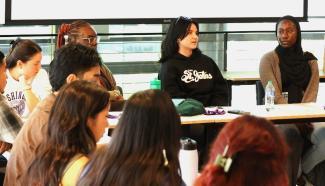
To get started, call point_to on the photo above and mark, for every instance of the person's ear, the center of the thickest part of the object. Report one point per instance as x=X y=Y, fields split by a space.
x=71 y=78
x=20 y=67
x=20 y=63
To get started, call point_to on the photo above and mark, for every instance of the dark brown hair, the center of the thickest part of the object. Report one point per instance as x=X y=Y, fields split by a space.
x=68 y=133
x=21 y=49
x=149 y=124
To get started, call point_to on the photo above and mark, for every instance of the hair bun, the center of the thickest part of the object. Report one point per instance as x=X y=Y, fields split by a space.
x=14 y=43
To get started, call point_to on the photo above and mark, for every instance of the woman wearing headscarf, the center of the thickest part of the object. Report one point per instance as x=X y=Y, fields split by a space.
x=294 y=71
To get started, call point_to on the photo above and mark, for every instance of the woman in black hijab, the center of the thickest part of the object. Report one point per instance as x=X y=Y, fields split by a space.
x=294 y=63
x=296 y=72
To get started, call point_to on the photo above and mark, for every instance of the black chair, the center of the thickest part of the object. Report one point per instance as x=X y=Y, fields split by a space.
x=3 y=164
x=260 y=93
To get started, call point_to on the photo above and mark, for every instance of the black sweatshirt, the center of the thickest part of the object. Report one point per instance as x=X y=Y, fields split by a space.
x=196 y=77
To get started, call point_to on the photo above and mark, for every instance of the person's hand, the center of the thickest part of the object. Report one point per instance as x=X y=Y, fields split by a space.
x=115 y=95
x=26 y=83
x=4 y=146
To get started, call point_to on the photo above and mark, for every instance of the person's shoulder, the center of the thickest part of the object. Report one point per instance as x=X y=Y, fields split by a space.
x=269 y=57
x=203 y=56
x=269 y=54
x=39 y=116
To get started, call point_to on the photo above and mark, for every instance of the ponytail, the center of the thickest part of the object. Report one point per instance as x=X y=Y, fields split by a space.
x=63 y=33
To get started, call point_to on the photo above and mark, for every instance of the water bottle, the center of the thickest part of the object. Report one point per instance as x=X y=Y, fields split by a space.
x=269 y=96
x=188 y=160
x=155 y=84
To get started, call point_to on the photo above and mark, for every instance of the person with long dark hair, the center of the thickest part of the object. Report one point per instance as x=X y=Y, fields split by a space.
x=27 y=82
x=77 y=121
x=82 y=32
x=70 y=63
x=144 y=147
x=248 y=151
x=294 y=71
x=10 y=121
x=186 y=72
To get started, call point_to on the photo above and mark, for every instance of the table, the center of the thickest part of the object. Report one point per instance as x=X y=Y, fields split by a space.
x=282 y=113
x=249 y=78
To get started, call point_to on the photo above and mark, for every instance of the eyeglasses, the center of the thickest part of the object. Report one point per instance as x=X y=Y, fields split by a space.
x=91 y=39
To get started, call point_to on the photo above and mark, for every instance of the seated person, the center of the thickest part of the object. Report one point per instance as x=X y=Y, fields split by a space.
x=71 y=62
x=294 y=71
x=10 y=122
x=144 y=147
x=27 y=82
x=77 y=121
x=248 y=151
x=83 y=33
x=186 y=72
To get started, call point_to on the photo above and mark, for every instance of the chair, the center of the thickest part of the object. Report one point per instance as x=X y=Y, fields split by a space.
x=260 y=94
x=3 y=164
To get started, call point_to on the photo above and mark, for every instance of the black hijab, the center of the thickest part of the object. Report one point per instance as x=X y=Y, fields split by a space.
x=294 y=66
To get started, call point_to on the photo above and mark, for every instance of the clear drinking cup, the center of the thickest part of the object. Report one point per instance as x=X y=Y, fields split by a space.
x=285 y=96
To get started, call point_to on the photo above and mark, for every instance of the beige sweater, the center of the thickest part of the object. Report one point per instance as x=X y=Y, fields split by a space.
x=270 y=70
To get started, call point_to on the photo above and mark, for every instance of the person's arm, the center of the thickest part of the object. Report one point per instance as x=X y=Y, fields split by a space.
x=31 y=98
x=267 y=73
x=4 y=146
x=41 y=84
x=310 y=94
x=221 y=94
x=10 y=122
x=169 y=81
x=108 y=81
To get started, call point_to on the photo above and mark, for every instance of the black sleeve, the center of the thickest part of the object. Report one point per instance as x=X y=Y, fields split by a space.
x=170 y=81
x=221 y=94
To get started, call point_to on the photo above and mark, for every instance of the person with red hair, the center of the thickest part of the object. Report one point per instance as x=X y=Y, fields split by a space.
x=82 y=32
x=248 y=151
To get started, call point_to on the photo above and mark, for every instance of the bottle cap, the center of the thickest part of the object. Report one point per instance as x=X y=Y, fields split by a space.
x=155 y=84
x=188 y=144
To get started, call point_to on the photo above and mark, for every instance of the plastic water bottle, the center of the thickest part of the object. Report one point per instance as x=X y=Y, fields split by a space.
x=269 y=96
x=188 y=160
x=155 y=84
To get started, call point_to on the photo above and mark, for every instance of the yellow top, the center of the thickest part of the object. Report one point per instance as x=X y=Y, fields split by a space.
x=73 y=170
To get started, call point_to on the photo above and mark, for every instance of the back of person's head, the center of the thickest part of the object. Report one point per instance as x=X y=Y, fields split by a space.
x=76 y=102
x=2 y=57
x=178 y=29
x=258 y=154
x=23 y=50
x=3 y=76
x=68 y=132
x=71 y=59
x=71 y=32
x=148 y=127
